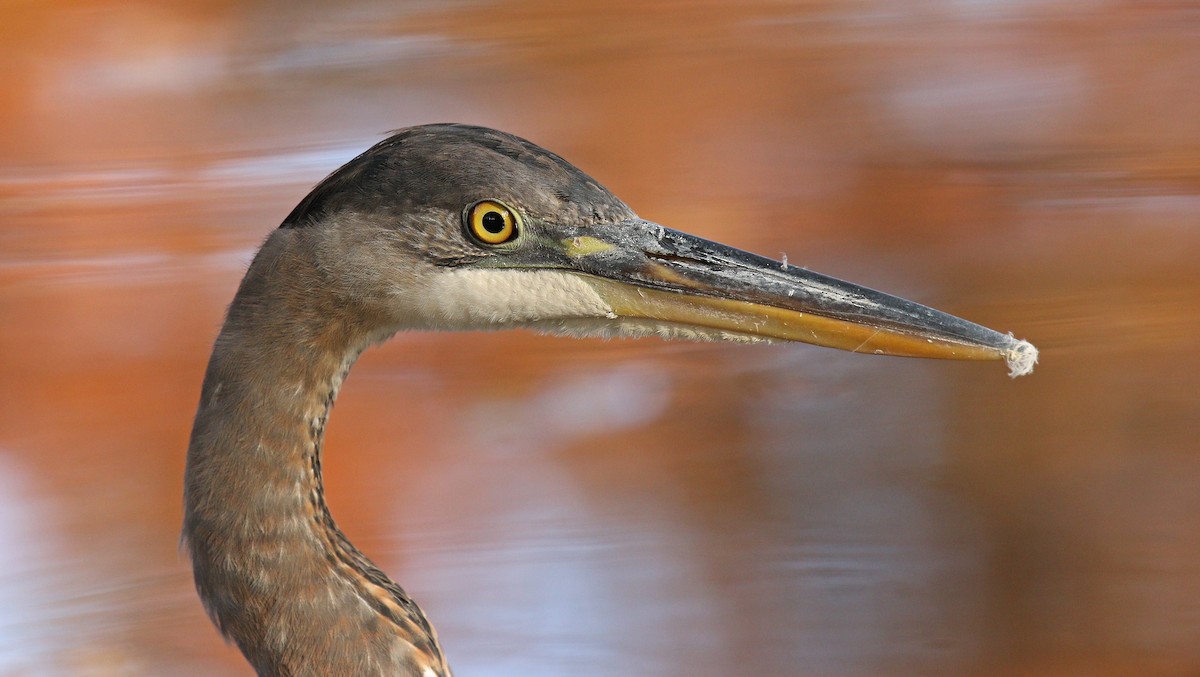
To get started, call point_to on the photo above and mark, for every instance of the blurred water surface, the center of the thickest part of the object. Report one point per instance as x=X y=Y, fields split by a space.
x=590 y=508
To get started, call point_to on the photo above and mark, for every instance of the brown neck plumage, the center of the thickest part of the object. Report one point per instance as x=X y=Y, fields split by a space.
x=275 y=572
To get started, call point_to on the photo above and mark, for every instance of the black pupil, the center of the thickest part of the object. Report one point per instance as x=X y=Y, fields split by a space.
x=493 y=222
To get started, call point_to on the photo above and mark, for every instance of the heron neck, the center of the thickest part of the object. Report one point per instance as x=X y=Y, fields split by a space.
x=274 y=371
x=272 y=567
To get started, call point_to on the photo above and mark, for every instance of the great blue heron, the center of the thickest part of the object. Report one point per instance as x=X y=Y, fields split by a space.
x=451 y=227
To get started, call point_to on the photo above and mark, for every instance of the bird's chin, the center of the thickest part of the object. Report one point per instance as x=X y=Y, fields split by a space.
x=496 y=298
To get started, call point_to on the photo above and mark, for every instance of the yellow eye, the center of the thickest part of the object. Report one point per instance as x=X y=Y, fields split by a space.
x=491 y=222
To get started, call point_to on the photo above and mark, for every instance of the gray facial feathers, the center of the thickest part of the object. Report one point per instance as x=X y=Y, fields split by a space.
x=445 y=167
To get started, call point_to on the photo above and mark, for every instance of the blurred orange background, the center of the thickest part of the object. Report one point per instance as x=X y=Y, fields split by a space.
x=613 y=508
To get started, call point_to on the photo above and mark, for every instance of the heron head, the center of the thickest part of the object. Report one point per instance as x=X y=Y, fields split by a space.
x=459 y=227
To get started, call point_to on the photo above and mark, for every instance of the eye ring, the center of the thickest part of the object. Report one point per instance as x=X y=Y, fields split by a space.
x=491 y=223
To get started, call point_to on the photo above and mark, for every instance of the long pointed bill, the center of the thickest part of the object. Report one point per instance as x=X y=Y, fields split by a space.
x=648 y=272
